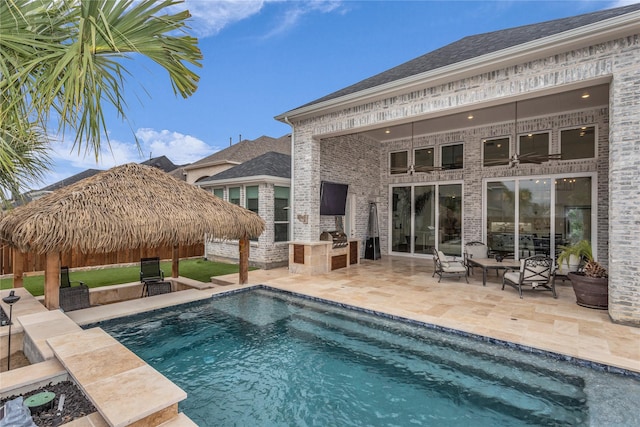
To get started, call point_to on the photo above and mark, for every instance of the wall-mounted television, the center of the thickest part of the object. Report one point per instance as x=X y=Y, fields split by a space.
x=333 y=198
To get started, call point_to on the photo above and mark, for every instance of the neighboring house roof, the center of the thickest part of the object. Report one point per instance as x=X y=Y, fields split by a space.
x=71 y=180
x=269 y=164
x=162 y=163
x=476 y=46
x=246 y=150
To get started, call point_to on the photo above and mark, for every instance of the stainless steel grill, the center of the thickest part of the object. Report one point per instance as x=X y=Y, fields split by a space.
x=338 y=238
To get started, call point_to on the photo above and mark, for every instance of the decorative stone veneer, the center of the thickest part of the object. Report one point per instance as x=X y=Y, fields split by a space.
x=616 y=61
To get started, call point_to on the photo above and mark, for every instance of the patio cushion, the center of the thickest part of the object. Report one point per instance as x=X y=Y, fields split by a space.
x=476 y=251
x=454 y=267
x=443 y=259
x=512 y=276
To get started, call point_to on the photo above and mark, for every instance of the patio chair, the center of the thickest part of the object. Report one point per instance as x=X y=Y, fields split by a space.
x=474 y=250
x=536 y=271
x=158 y=288
x=74 y=297
x=448 y=266
x=65 y=281
x=150 y=272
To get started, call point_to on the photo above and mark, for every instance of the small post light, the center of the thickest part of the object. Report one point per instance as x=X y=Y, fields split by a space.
x=11 y=299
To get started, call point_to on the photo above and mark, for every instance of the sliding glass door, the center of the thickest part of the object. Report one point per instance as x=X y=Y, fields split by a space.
x=426 y=216
x=551 y=211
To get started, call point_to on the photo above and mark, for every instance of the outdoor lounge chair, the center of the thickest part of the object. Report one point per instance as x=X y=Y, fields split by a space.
x=150 y=272
x=474 y=250
x=536 y=271
x=65 y=281
x=448 y=266
x=74 y=297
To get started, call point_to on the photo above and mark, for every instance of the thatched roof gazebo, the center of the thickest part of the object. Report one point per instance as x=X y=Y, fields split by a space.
x=123 y=208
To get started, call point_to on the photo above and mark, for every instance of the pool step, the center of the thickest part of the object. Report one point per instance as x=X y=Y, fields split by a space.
x=438 y=375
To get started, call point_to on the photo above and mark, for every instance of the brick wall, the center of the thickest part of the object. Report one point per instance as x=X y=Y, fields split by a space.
x=616 y=61
x=265 y=253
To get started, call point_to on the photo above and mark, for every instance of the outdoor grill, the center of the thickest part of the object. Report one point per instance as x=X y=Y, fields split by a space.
x=338 y=238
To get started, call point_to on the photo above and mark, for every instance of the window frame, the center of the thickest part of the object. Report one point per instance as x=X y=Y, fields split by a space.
x=391 y=165
x=508 y=148
x=525 y=134
x=280 y=222
x=579 y=127
x=453 y=165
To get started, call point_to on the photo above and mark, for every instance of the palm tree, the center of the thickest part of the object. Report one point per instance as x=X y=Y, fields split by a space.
x=60 y=61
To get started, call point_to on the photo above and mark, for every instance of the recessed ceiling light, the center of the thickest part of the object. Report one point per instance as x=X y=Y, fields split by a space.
x=585 y=95
x=470 y=116
x=387 y=131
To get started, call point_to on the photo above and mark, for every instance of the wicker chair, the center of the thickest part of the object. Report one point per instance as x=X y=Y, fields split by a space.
x=536 y=271
x=158 y=288
x=448 y=266
x=74 y=297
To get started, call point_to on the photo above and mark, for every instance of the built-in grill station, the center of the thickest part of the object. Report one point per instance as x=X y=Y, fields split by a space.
x=338 y=238
x=334 y=250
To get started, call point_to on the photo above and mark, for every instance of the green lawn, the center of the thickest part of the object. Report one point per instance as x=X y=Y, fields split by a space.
x=197 y=269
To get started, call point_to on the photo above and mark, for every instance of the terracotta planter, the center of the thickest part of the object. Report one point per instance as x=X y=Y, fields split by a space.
x=591 y=292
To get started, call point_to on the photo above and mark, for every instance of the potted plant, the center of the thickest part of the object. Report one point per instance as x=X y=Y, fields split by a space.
x=591 y=284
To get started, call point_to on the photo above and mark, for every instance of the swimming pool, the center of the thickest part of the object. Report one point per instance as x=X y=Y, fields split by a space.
x=262 y=357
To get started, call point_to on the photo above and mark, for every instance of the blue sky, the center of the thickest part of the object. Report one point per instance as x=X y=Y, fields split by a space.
x=262 y=58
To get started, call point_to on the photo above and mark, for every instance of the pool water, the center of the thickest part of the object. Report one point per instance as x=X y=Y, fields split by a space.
x=266 y=358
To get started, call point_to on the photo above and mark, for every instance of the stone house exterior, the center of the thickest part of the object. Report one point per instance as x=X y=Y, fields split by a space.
x=261 y=185
x=525 y=138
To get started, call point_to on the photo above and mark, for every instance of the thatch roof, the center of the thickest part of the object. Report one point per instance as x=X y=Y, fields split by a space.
x=123 y=208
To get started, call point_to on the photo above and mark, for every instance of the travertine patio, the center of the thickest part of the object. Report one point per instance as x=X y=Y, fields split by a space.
x=395 y=285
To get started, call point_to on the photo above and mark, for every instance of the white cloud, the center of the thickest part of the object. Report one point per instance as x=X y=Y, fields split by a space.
x=178 y=148
x=210 y=17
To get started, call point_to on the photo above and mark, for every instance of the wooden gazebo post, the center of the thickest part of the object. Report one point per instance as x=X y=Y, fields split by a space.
x=52 y=281
x=244 y=260
x=18 y=268
x=175 y=260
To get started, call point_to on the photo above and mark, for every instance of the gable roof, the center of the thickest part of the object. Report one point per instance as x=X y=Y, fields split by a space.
x=246 y=150
x=269 y=164
x=162 y=163
x=475 y=46
x=71 y=180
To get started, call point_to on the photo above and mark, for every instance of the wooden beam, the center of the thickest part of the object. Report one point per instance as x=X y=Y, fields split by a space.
x=175 y=260
x=52 y=281
x=18 y=268
x=244 y=260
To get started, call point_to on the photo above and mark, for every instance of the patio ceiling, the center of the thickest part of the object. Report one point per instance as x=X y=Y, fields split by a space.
x=530 y=107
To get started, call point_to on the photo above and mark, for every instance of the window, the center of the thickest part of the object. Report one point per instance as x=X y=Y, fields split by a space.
x=578 y=143
x=496 y=152
x=252 y=198
x=234 y=195
x=536 y=216
x=281 y=214
x=423 y=158
x=453 y=156
x=533 y=144
x=219 y=192
x=398 y=162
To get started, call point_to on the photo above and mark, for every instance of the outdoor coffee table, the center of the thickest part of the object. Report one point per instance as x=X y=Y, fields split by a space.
x=490 y=263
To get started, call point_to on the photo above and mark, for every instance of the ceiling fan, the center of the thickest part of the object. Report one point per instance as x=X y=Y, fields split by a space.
x=413 y=168
x=534 y=158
